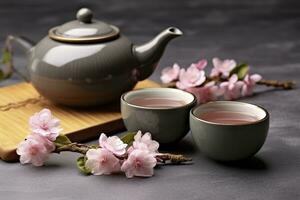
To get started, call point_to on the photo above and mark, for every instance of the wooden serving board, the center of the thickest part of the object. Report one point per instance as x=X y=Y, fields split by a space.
x=78 y=124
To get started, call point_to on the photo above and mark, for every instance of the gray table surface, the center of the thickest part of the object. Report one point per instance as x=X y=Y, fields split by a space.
x=266 y=34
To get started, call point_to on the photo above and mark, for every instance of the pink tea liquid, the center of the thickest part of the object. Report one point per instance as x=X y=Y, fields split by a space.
x=157 y=102
x=228 y=117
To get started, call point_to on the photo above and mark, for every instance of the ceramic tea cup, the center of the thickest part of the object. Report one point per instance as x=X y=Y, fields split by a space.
x=164 y=112
x=230 y=141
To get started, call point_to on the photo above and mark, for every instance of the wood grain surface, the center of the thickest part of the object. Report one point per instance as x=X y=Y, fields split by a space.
x=78 y=123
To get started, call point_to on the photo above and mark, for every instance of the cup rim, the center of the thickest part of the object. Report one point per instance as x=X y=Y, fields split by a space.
x=192 y=114
x=154 y=108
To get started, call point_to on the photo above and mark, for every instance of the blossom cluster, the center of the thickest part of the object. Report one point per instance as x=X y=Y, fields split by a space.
x=37 y=146
x=222 y=80
x=112 y=156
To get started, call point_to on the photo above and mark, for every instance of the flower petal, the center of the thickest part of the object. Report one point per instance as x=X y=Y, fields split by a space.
x=101 y=161
x=170 y=74
x=102 y=139
x=233 y=78
x=216 y=62
x=201 y=64
x=255 y=77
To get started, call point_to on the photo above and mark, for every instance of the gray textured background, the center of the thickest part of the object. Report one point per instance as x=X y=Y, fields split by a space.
x=266 y=34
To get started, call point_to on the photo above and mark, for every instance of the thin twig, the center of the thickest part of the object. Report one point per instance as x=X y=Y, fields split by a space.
x=172 y=158
x=165 y=158
x=286 y=85
x=73 y=147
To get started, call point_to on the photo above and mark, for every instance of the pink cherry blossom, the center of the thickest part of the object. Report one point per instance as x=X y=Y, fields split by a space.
x=170 y=74
x=45 y=124
x=201 y=64
x=145 y=143
x=50 y=146
x=232 y=88
x=209 y=92
x=113 y=144
x=139 y=163
x=222 y=67
x=191 y=77
x=101 y=161
x=249 y=83
x=35 y=149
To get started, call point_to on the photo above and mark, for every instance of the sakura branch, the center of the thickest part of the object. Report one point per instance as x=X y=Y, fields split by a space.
x=227 y=79
x=134 y=154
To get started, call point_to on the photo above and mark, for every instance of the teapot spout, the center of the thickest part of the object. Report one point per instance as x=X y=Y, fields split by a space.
x=148 y=54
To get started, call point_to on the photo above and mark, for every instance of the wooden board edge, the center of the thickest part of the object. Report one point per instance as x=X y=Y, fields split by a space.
x=91 y=133
x=9 y=155
x=83 y=135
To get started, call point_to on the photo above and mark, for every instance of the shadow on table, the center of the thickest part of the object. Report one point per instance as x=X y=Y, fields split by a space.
x=185 y=146
x=111 y=107
x=253 y=163
x=45 y=169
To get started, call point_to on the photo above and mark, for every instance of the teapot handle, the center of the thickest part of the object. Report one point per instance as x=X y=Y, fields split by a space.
x=23 y=42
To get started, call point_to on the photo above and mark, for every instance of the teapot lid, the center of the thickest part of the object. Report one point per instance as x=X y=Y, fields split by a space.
x=84 y=30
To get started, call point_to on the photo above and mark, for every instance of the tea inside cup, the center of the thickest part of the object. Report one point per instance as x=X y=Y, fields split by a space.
x=230 y=113
x=229 y=130
x=158 y=98
x=164 y=112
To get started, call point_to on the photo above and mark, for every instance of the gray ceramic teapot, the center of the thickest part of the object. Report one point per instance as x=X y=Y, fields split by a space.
x=88 y=62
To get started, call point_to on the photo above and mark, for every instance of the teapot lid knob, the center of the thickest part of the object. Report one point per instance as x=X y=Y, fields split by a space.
x=84 y=15
x=84 y=30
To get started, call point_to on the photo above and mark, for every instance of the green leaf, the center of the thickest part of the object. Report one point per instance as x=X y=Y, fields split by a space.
x=8 y=75
x=2 y=75
x=240 y=70
x=62 y=140
x=6 y=57
x=128 y=138
x=81 y=165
